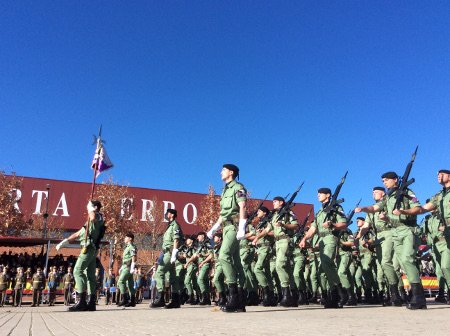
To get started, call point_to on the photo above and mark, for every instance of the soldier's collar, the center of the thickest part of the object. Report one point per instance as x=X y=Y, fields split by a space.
x=231 y=183
x=445 y=190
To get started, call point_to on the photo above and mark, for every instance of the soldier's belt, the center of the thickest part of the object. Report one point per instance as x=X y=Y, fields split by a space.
x=281 y=237
x=396 y=224
x=385 y=228
x=263 y=244
x=364 y=251
x=324 y=234
x=230 y=222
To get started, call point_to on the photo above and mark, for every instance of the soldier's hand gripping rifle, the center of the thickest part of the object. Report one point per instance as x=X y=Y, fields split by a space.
x=405 y=182
x=352 y=213
x=287 y=206
x=332 y=208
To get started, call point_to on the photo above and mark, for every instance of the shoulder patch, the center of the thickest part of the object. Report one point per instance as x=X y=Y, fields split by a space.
x=241 y=193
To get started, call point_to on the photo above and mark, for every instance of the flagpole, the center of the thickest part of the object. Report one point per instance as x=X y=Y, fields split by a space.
x=98 y=150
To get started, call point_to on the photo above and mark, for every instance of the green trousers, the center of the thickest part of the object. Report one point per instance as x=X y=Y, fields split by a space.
x=219 y=279
x=299 y=269
x=442 y=254
x=406 y=244
x=366 y=264
x=180 y=274
x=84 y=271
x=262 y=267
x=344 y=259
x=385 y=256
x=229 y=257
x=167 y=267
x=247 y=256
x=327 y=248
x=273 y=274
x=190 y=280
x=282 y=263
x=126 y=281
x=203 y=278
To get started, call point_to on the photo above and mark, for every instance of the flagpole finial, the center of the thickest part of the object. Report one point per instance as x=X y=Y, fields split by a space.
x=100 y=131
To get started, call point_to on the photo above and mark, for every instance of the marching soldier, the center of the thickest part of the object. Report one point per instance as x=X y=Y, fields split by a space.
x=38 y=286
x=262 y=266
x=346 y=244
x=190 y=280
x=233 y=218
x=18 y=287
x=204 y=257
x=440 y=231
x=404 y=234
x=323 y=225
x=171 y=242
x=69 y=284
x=138 y=284
x=247 y=253
x=366 y=258
x=219 y=278
x=283 y=229
x=4 y=284
x=84 y=271
x=125 y=281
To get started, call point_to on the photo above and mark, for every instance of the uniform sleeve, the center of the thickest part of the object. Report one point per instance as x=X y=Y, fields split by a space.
x=314 y=222
x=293 y=218
x=368 y=220
x=133 y=251
x=413 y=200
x=176 y=231
x=382 y=203
x=340 y=218
x=269 y=227
x=241 y=193
x=435 y=200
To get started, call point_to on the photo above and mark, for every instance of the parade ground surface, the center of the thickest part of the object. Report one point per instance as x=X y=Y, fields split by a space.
x=197 y=320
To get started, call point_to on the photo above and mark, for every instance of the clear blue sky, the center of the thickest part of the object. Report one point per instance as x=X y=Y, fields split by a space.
x=287 y=90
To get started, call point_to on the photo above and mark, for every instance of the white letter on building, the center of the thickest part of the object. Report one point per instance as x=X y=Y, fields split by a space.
x=39 y=200
x=18 y=197
x=147 y=208
x=62 y=205
x=194 y=213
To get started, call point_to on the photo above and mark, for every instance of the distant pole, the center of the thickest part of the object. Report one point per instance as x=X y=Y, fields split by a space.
x=44 y=233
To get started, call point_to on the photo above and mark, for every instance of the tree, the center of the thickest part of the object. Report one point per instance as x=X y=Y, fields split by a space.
x=149 y=233
x=119 y=213
x=209 y=209
x=12 y=221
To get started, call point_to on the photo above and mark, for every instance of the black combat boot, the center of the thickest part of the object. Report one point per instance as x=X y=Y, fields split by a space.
x=123 y=300
x=159 y=301
x=343 y=296
x=233 y=303
x=441 y=296
x=81 y=305
x=448 y=297
x=267 y=299
x=294 y=299
x=405 y=297
x=206 y=301
x=242 y=300
x=184 y=297
x=381 y=297
x=368 y=299
x=418 y=300
x=286 y=301
x=132 y=302
x=222 y=299
x=396 y=300
x=91 y=306
x=352 y=300
x=192 y=301
x=302 y=298
x=174 y=302
x=252 y=299
x=333 y=299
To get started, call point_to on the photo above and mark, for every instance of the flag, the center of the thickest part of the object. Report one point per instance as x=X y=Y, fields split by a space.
x=100 y=157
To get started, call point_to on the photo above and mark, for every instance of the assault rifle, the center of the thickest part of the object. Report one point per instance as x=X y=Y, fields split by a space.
x=287 y=206
x=405 y=182
x=301 y=231
x=254 y=213
x=267 y=219
x=352 y=213
x=334 y=202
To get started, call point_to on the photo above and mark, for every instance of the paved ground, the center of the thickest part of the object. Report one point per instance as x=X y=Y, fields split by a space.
x=196 y=320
